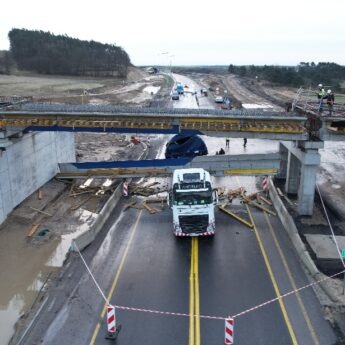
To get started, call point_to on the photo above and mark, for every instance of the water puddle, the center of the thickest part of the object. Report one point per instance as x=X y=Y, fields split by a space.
x=24 y=267
x=256 y=106
x=86 y=218
x=152 y=90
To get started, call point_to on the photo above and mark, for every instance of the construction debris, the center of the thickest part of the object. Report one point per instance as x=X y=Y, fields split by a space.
x=146 y=190
x=254 y=199
x=127 y=206
x=265 y=200
x=151 y=210
x=262 y=208
x=33 y=230
x=232 y=214
x=37 y=210
x=78 y=205
x=87 y=183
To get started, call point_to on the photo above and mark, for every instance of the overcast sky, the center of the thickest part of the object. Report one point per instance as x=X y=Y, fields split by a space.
x=193 y=32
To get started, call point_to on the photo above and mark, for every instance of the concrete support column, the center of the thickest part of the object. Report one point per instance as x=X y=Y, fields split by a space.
x=292 y=174
x=306 y=190
x=283 y=151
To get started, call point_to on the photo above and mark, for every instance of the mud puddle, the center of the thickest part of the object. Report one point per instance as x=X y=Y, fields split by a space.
x=26 y=264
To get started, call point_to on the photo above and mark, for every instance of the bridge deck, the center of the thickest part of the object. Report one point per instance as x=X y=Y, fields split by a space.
x=261 y=124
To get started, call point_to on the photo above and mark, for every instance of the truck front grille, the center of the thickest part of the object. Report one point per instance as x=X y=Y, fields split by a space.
x=194 y=224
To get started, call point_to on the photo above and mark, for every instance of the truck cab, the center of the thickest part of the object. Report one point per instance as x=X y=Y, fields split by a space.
x=192 y=201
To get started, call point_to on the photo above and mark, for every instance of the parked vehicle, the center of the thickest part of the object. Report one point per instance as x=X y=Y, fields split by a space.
x=203 y=92
x=219 y=99
x=182 y=145
x=179 y=89
x=175 y=96
x=192 y=201
x=226 y=105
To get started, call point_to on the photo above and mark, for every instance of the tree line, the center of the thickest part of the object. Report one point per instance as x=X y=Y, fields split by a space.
x=46 y=53
x=304 y=74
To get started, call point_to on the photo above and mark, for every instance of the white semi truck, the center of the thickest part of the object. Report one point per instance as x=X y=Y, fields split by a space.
x=192 y=200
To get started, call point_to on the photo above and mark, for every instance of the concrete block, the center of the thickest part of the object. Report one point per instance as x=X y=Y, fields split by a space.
x=303 y=254
x=325 y=250
x=87 y=237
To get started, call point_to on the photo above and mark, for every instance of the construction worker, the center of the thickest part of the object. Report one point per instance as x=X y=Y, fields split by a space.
x=330 y=101
x=320 y=96
x=227 y=142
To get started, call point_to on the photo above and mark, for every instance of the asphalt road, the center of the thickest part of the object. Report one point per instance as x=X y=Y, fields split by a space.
x=142 y=265
x=138 y=263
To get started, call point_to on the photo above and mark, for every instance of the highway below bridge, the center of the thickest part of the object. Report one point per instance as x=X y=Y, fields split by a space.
x=179 y=290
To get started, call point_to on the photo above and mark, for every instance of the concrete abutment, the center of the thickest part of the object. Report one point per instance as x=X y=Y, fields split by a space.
x=27 y=162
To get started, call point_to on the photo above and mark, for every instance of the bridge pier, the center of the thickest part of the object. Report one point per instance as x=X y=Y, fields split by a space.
x=292 y=174
x=303 y=160
x=283 y=151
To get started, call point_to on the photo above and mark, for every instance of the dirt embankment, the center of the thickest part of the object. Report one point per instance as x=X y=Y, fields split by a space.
x=280 y=95
x=37 y=234
x=82 y=90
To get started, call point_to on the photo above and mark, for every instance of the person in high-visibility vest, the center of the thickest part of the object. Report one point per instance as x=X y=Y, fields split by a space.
x=320 y=96
x=330 y=101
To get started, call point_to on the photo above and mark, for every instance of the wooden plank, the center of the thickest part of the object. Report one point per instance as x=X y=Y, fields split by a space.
x=87 y=183
x=232 y=214
x=262 y=208
x=268 y=202
x=127 y=206
x=33 y=230
x=37 y=210
x=150 y=209
x=252 y=196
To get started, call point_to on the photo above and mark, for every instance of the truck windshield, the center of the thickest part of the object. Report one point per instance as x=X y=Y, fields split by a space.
x=193 y=198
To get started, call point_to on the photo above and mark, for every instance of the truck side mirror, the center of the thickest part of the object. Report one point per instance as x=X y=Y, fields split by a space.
x=215 y=196
x=169 y=199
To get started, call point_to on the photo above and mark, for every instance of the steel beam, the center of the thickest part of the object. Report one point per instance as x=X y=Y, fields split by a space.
x=223 y=165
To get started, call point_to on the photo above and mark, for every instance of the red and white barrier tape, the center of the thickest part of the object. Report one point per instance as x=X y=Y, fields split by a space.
x=168 y=313
x=205 y=316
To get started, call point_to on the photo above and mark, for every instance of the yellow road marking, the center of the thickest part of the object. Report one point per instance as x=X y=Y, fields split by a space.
x=292 y=281
x=274 y=282
x=116 y=278
x=196 y=287
x=194 y=297
x=191 y=297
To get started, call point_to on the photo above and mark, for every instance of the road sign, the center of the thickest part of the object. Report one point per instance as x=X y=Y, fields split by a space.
x=343 y=253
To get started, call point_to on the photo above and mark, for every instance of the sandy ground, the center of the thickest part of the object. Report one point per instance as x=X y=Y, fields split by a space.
x=78 y=90
x=36 y=259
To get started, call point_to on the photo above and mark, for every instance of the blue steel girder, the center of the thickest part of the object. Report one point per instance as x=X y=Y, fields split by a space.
x=221 y=165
